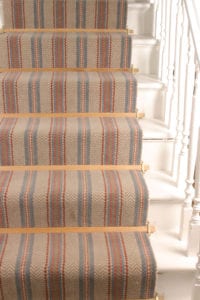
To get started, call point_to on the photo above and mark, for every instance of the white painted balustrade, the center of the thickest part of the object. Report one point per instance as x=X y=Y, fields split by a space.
x=179 y=33
x=196 y=291
x=194 y=227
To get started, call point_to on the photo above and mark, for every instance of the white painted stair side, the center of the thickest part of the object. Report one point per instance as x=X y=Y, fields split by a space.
x=165 y=201
x=158 y=143
x=151 y=96
x=145 y=54
x=140 y=17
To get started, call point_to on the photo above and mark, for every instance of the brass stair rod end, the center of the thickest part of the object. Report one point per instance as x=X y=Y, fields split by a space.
x=134 y=70
x=157 y=297
x=129 y=31
x=143 y=167
x=148 y=228
x=137 y=114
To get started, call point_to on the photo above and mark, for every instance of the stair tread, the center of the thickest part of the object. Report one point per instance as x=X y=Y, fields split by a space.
x=170 y=253
x=162 y=187
x=154 y=129
x=87 y=262
x=73 y=198
x=67 y=13
x=67 y=92
x=65 y=50
x=61 y=141
x=139 y=5
x=148 y=81
x=144 y=40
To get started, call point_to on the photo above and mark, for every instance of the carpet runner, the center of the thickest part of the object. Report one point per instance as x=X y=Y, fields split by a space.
x=73 y=198
x=65 y=50
x=61 y=141
x=22 y=92
x=96 y=266
x=65 y=13
x=78 y=265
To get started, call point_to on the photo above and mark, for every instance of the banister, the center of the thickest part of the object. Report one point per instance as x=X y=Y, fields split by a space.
x=193 y=18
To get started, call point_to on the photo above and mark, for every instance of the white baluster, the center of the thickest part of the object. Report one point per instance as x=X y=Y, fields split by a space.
x=189 y=191
x=188 y=79
x=194 y=228
x=170 y=105
x=196 y=291
x=179 y=85
x=162 y=39
x=156 y=21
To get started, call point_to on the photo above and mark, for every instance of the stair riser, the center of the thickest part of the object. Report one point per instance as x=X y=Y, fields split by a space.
x=73 y=198
x=155 y=152
x=67 y=92
x=61 y=141
x=159 y=210
x=68 y=13
x=66 y=142
x=145 y=57
x=152 y=103
x=77 y=266
x=65 y=50
x=140 y=18
x=33 y=92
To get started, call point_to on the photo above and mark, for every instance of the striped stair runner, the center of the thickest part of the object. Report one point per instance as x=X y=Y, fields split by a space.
x=74 y=266
x=61 y=141
x=65 y=50
x=73 y=200
x=68 y=92
x=65 y=13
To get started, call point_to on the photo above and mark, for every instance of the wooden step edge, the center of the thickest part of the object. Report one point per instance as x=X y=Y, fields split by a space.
x=63 y=30
x=138 y=115
x=35 y=230
x=98 y=70
x=142 y=167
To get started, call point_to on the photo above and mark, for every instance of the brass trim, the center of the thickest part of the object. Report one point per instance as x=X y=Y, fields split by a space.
x=74 y=168
x=74 y=229
x=73 y=115
x=63 y=30
x=129 y=70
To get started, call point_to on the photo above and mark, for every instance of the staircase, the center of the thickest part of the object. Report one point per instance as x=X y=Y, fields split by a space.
x=73 y=198
x=175 y=271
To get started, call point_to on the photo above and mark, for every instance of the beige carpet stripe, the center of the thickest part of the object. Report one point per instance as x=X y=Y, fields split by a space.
x=130 y=70
x=73 y=115
x=141 y=167
x=21 y=30
x=35 y=230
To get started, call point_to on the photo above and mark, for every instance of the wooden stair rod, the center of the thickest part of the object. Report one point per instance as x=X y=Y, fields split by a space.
x=31 y=230
x=142 y=167
x=138 y=115
x=129 y=70
x=63 y=30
